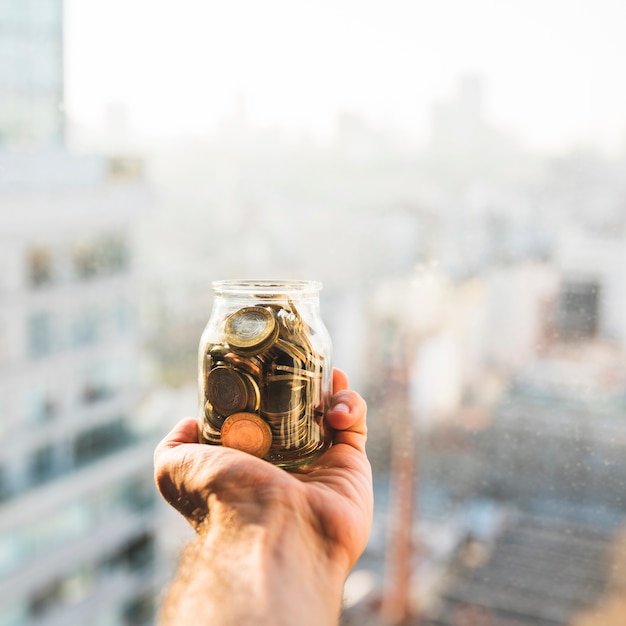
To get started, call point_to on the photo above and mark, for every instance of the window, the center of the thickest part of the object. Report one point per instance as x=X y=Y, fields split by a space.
x=68 y=590
x=86 y=328
x=85 y=261
x=46 y=598
x=139 y=611
x=102 y=380
x=137 y=554
x=100 y=257
x=115 y=253
x=40 y=266
x=139 y=495
x=5 y=490
x=42 y=465
x=97 y=442
x=41 y=403
x=122 y=316
x=579 y=309
x=42 y=335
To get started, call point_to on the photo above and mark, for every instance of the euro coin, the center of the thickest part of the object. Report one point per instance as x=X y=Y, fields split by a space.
x=226 y=390
x=247 y=432
x=251 y=329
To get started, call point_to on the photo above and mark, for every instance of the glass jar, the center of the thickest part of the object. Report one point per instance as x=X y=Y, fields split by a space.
x=264 y=371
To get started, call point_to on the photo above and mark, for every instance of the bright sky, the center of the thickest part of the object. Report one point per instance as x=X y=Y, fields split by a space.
x=553 y=69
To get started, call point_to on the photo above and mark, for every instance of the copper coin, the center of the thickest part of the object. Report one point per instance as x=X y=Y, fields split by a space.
x=247 y=432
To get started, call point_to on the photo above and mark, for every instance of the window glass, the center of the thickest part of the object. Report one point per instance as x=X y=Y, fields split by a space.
x=42 y=402
x=40 y=266
x=86 y=327
x=104 y=379
x=101 y=440
x=122 y=316
x=115 y=253
x=43 y=338
x=102 y=256
x=139 y=610
x=85 y=260
x=43 y=465
x=73 y=521
x=579 y=309
x=5 y=490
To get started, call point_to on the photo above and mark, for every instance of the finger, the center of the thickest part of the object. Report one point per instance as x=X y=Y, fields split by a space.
x=186 y=431
x=173 y=464
x=347 y=416
x=340 y=380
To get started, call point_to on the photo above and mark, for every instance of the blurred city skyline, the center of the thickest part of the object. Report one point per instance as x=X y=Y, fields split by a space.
x=453 y=175
x=549 y=68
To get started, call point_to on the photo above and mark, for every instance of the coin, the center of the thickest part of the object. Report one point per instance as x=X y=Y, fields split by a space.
x=247 y=432
x=212 y=417
x=251 y=329
x=226 y=390
x=250 y=364
x=291 y=350
x=209 y=432
x=254 y=394
x=281 y=396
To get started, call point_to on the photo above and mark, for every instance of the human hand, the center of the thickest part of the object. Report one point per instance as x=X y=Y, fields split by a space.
x=328 y=504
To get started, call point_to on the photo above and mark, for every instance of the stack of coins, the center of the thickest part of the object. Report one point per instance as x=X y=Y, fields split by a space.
x=262 y=384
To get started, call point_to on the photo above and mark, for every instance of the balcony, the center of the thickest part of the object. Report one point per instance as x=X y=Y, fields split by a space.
x=134 y=459
x=95 y=546
x=106 y=601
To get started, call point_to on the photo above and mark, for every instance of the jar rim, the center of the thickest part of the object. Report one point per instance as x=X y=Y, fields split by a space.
x=266 y=286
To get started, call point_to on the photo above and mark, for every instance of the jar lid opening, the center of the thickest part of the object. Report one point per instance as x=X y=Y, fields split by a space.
x=269 y=287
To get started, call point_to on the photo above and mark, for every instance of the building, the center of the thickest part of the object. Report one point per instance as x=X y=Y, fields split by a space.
x=77 y=501
x=31 y=73
x=76 y=518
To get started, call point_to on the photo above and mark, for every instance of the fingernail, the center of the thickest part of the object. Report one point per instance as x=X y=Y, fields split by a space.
x=341 y=407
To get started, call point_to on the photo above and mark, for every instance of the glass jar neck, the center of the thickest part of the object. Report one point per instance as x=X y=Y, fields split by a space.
x=267 y=289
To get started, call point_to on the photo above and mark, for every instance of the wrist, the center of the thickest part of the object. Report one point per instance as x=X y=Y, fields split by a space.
x=278 y=562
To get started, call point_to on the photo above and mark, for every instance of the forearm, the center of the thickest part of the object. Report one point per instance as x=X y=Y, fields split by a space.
x=240 y=573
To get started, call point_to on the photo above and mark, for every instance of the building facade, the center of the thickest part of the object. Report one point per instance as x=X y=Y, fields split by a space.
x=77 y=517
x=31 y=73
x=76 y=493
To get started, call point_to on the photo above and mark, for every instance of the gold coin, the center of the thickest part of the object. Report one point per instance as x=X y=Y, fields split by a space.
x=254 y=394
x=250 y=364
x=247 y=432
x=226 y=390
x=281 y=396
x=251 y=329
x=291 y=350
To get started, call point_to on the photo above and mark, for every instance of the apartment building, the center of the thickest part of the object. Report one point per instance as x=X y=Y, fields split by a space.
x=76 y=494
x=31 y=73
x=77 y=517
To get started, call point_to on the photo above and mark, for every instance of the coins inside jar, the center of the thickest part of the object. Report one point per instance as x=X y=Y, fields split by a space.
x=267 y=371
x=230 y=390
x=247 y=432
x=251 y=329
